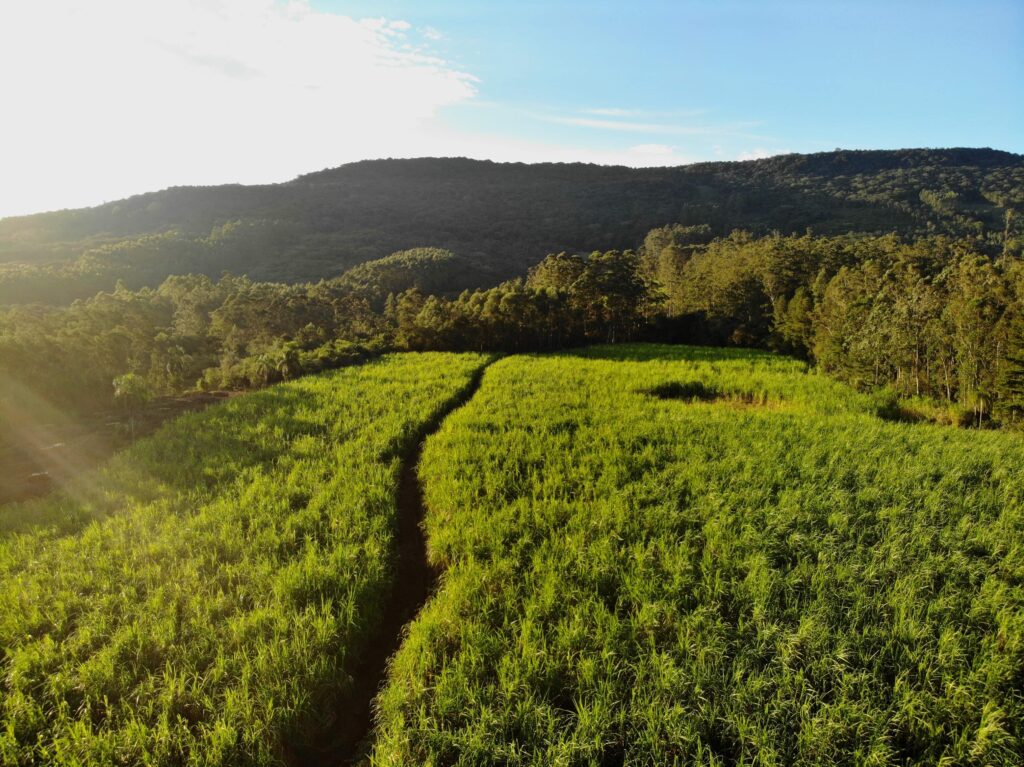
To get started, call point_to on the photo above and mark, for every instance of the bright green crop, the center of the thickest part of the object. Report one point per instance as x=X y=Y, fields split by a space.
x=757 y=571
x=202 y=599
x=653 y=555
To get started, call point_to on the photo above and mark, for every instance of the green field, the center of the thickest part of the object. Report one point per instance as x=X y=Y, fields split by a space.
x=760 y=571
x=202 y=600
x=651 y=555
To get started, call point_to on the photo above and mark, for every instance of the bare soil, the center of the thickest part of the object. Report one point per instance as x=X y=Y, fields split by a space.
x=345 y=737
x=42 y=456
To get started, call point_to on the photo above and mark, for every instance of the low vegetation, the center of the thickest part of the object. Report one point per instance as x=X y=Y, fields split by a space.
x=202 y=599
x=631 y=579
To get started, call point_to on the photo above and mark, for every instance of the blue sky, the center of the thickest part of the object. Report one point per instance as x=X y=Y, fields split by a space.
x=736 y=77
x=116 y=97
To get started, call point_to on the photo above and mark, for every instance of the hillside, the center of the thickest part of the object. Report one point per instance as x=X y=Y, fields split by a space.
x=504 y=216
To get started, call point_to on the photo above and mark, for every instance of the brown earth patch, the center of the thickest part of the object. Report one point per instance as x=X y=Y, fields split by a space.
x=38 y=457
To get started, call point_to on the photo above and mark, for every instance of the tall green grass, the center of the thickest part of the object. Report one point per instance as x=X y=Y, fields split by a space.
x=201 y=599
x=769 y=576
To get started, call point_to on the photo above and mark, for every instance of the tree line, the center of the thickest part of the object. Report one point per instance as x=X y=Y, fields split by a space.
x=932 y=318
x=929 y=318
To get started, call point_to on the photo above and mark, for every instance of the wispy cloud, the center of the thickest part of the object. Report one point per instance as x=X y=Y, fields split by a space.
x=760 y=153
x=737 y=129
x=659 y=114
x=228 y=67
x=615 y=125
x=653 y=150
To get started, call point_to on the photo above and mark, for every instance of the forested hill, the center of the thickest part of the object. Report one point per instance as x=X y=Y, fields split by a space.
x=504 y=216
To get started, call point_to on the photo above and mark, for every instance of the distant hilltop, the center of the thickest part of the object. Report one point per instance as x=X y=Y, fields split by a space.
x=507 y=216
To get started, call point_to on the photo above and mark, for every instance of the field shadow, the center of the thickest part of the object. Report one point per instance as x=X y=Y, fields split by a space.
x=893 y=412
x=890 y=406
x=39 y=457
x=691 y=392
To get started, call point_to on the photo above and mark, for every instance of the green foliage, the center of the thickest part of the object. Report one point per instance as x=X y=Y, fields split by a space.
x=131 y=391
x=203 y=598
x=566 y=300
x=232 y=333
x=772 y=575
x=792 y=325
x=429 y=270
x=1011 y=380
x=930 y=317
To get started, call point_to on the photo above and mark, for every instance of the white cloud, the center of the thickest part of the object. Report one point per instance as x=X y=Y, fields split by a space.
x=105 y=98
x=738 y=129
x=673 y=114
x=760 y=153
x=652 y=150
x=615 y=125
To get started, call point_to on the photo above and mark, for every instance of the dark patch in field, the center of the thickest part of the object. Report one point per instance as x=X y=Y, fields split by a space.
x=613 y=755
x=697 y=391
x=689 y=391
x=894 y=413
x=891 y=409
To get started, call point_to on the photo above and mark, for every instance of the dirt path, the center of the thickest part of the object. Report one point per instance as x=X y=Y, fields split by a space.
x=348 y=739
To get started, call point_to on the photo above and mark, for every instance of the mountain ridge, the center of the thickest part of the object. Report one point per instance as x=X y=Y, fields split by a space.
x=506 y=216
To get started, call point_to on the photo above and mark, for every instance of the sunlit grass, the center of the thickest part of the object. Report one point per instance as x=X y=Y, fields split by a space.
x=638 y=580
x=654 y=555
x=199 y=598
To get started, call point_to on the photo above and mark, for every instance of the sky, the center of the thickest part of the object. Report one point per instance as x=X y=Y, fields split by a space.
x=103 y=99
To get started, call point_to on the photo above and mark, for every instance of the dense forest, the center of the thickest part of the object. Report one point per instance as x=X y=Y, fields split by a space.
x=503 y=217
x=934 y=319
